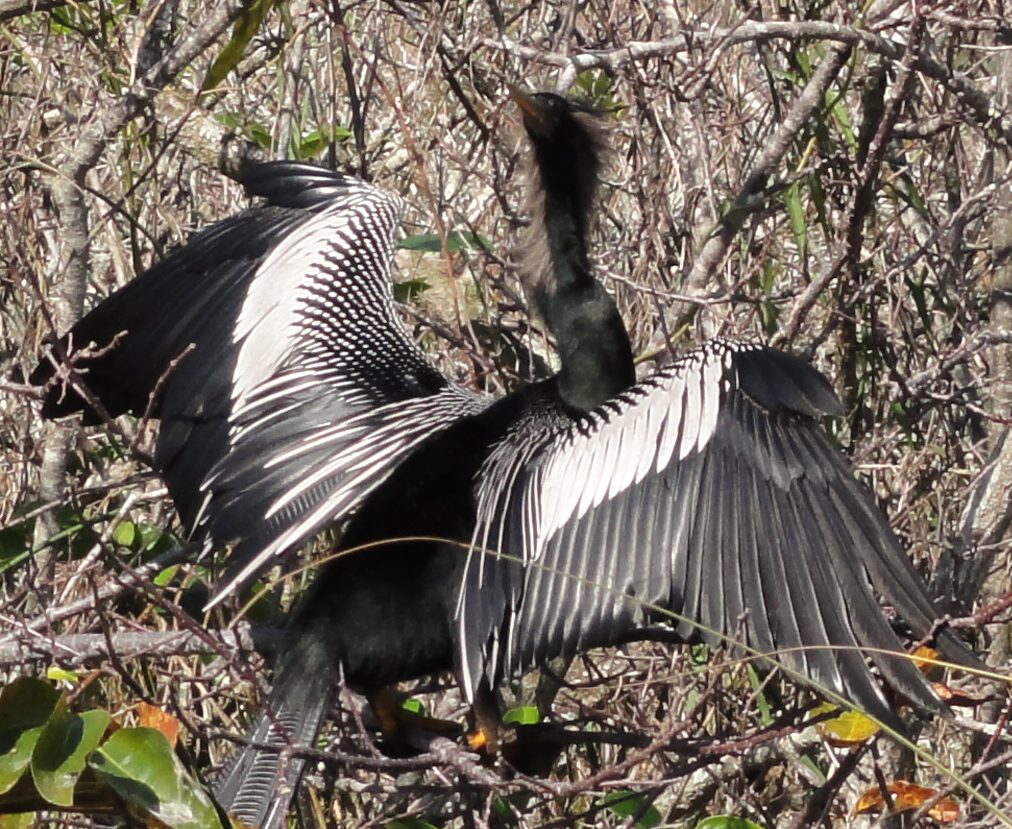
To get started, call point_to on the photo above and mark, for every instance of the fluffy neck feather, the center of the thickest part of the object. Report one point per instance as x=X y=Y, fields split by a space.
x=593 y=345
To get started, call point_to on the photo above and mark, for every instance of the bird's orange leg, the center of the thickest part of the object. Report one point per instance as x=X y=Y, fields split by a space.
x=487 y=732
x=397 y=724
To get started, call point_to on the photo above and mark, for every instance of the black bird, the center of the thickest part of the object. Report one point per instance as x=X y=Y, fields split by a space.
x=708 y=489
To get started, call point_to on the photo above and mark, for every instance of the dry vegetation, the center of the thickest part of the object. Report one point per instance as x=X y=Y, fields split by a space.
x=789 y=172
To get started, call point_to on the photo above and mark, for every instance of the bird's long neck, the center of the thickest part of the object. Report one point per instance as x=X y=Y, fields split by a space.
x=594 y=349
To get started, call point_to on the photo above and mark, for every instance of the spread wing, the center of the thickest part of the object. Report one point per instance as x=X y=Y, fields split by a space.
x=709 y=490
x=298 y=390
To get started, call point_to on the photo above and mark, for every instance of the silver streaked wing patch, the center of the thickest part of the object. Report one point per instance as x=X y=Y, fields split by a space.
x=672 y=414
x=271 y=322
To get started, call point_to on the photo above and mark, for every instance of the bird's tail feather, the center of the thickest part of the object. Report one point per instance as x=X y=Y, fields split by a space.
x=258 y=784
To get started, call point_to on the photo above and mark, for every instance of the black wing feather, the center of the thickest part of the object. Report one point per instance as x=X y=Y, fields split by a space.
x=297 y=363
x=744 y=510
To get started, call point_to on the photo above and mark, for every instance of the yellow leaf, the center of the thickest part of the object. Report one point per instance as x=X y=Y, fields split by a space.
x=848 y=728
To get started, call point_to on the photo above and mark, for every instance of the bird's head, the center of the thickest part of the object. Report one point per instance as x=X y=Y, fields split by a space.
x=562 y=123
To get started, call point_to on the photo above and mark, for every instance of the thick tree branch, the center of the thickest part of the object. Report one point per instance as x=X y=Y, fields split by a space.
x=75 y=649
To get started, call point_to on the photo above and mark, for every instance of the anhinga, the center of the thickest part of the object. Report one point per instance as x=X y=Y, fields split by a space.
x=708 y=489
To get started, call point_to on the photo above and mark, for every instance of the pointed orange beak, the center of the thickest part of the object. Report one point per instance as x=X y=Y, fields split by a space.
x=536 y=115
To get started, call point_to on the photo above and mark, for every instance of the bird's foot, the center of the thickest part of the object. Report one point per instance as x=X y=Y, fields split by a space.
x=485 y=739
x=405 y=731
x=530 y=749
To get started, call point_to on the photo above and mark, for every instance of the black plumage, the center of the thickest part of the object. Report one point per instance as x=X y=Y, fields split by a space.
x=708 y=489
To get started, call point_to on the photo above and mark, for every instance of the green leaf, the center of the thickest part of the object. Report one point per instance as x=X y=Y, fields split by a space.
x=769 y=314
x=25 y=705
x=628 y=804
x=427 y=242
x=124 y=534
x=726 y=822
x=253 y=131
x=311 y=143
x=164 y=577
x=765 y=714
x=409 y=289
x=24 y=820
x=413 y=705
x=259 y=135
x=466 y=240
x=56 y=674
x=242 y=33
x=61 y=750
x=456 y=241
x=13 y=541
x=908 y=191
x=142 y=769
x=839 y=111
x=598 y=88
x=916 y=290
x=503 y=813
x=229 y=120
x=818 y=200
x=524 y=715
x=155 y=540
x=409 y=823
x=796 y=214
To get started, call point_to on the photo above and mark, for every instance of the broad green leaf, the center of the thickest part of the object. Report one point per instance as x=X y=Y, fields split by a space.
x=524 y=715
x=804 y=62
x=125 y=533
x=61 y=750
x=726 y=822
x=24 y=820
x=427 y=242
x=253 y=131
x=25 y=705
x=632 y=805
x=242 y=33
x=141 y=768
